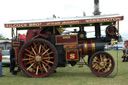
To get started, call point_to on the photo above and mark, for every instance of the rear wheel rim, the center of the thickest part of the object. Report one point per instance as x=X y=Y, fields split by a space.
x=38 y=58
x=102 y=64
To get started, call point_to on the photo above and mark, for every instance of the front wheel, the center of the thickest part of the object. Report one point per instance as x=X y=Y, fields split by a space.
x=38 y=58
x=102 y=64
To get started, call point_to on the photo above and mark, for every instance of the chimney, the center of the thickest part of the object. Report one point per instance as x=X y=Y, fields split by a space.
x=96 y=7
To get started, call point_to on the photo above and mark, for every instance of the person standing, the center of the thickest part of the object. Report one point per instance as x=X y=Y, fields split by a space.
x=1 y=62
x=124 y=51
x=12 y=62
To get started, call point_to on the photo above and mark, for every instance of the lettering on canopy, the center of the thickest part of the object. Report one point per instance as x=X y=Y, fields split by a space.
x=68 y=22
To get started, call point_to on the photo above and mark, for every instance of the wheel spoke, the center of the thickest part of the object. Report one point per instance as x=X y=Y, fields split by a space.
x=101 y=58
x=43 y=47
x=49 y=61
x=108 y=62
x=37 y=69
x=46 y=64
x=39 y=49
x=29 y=62
x=29 y=51
x=96 y=58
x=45 y=68
x=40 y=67
x=99 y=69
x=49 y=53
x=25 y=59
x=104 y=56
x=94 y=65
x=95 y=61
x=35 y=46
x=33 y=51
x=48 y=58
x=45 y=52
x=34 y=66
x=29 y=55
x=30 y=66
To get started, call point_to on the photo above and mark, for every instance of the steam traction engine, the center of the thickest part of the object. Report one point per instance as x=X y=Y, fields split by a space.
x=48 y=46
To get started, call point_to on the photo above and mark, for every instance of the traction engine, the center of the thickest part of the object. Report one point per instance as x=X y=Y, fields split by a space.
x=43 y=50
x=47 y=46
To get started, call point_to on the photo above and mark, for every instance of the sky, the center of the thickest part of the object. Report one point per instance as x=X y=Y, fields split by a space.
x=40 y=9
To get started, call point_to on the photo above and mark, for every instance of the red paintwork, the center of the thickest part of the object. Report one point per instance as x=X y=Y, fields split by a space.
x=66 y=39
x=31 y=33
x=89 y=46
x=72 y=55
x=70 y=46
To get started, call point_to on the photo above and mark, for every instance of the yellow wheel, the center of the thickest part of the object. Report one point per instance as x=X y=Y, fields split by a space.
x=102 y=64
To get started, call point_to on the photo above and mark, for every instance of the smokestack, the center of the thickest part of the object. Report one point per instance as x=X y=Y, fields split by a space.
x=96 y=7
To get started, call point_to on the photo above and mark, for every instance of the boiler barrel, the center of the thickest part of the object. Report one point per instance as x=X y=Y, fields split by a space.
x=90 y=46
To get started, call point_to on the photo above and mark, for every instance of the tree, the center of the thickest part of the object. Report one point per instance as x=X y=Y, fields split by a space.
x=2 y=37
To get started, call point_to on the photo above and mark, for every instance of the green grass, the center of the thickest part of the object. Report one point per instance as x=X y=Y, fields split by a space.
x=71 y=76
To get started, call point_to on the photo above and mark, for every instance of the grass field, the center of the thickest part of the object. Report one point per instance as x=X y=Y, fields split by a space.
x=71 y=76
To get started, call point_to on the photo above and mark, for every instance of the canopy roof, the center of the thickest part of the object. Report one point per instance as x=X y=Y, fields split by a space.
x=63 y=21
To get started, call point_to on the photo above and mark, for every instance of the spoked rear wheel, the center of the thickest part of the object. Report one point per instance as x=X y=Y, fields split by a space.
x=102 y=64
x=38 y=58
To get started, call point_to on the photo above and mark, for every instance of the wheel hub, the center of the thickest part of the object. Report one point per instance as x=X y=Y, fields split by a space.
x=38 y=58
x=101 y=64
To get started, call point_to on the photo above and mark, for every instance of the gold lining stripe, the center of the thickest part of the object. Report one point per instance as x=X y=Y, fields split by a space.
x=93 y=47
x=85 y=48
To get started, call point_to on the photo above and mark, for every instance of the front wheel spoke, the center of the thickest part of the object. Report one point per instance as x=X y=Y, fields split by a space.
x=96 y=58
x=108 y=62
x=45 y=68
x=102 y=70
x=96 y=66
x=104 y=57
x=99 y=69
x=95 y=61
x=30 y=66
x=101 y=58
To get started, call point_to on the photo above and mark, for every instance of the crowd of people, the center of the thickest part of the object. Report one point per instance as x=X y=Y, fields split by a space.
x=1 y=63
x=125 y=52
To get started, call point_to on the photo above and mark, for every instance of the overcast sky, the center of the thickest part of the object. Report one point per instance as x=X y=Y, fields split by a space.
x=39 y=9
